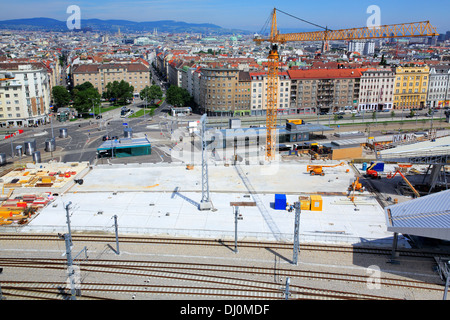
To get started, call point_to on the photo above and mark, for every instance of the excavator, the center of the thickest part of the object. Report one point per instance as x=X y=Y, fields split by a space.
x=317 y=169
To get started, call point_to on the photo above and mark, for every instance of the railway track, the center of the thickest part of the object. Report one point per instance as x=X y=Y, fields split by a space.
x=198 y=279
x=220 y=242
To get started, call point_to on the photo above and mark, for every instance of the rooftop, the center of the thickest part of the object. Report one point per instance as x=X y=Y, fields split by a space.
x=324 y=74
x=163 y=199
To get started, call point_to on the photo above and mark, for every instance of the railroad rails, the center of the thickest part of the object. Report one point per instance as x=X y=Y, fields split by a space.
x=198 y=279
x=219 y=242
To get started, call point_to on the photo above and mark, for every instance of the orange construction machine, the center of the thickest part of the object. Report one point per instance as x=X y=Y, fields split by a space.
x=391 y=176
x=317 y=169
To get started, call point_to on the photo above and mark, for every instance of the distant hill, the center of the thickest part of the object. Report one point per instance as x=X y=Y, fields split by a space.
x=47 y=24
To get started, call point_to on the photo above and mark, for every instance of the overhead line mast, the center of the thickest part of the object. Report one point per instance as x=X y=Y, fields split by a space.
x=404 y=30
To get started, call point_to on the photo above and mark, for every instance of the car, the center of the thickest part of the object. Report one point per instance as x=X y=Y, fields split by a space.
x=104 y=154
x=410 y=115
x=106 y=138
x=114 y=138
x=340 y=117
x=98 y=117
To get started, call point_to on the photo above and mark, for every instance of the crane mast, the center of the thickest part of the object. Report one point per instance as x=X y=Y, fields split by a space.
x=404 y=30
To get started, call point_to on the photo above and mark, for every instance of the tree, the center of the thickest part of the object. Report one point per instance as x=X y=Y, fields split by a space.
x=119 y=91
x=151 y=93
x=177 y=96
x=61 y=97
x=85 y=97
x=84 y=86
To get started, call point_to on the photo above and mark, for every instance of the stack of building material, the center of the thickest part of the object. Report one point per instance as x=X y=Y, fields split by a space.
x=10 y=212
x=29 y=198
x=40 y=202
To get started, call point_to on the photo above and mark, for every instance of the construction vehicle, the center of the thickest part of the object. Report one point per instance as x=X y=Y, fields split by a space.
x=356 y=186
x=375 y=170
x=405 y=30
x=317 y=169
x=391 y=176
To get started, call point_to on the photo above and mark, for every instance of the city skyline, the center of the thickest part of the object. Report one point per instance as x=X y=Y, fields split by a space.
x=249 y=15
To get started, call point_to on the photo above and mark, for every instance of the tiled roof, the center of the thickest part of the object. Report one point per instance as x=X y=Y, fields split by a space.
x=93 y=68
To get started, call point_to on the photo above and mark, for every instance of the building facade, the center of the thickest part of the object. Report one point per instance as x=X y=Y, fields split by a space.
x=259 y=93
x=243 y=94
x=411 y=86
x=136 y=74
x=366 y=48
x=25 y=98
x=217 y=91
x=376 y=90
x=324 y=90
x=439 y=87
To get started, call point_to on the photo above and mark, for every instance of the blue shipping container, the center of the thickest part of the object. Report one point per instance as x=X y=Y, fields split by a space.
x=379 y=167
x=280 y=202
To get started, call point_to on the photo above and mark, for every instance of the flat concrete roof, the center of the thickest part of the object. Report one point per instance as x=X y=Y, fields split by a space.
x=163 y=199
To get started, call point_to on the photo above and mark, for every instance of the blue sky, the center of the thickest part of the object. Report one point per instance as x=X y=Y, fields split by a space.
x=242 y=14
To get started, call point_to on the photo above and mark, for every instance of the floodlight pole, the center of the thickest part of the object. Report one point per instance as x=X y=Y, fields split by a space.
x=286 y=292
x=296 y=233
x=68 y=222
x=71 y=271
x=205 y=204
x=117 y=235
x=236 y=215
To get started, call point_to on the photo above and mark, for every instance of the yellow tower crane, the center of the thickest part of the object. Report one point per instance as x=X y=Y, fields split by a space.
x=404 y=30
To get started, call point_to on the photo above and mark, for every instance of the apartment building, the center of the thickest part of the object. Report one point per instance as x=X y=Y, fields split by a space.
x=136 y=74
x=242 y=94
x=25 y=98
x=411 y=86
x=376 y=90
x=439 y=87
x=259 y=93
x=324 y=90
x=362 y=47
x=217 y=90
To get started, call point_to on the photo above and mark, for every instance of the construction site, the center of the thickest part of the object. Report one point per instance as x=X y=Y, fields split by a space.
x=342 y=201
x=286 y=183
